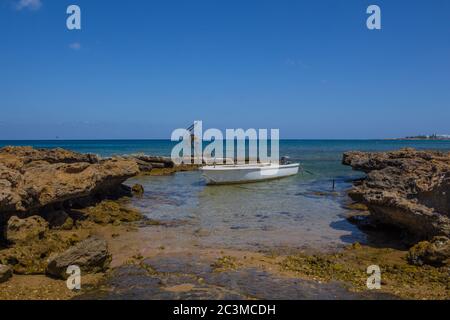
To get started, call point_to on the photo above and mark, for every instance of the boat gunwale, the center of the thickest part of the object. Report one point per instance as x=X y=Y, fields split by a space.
x=249 y=167
x=222 y=183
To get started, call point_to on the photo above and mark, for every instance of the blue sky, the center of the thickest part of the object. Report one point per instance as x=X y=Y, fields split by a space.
x=139 y=69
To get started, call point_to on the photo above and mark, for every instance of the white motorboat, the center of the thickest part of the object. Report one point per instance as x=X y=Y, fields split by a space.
x=242 y=173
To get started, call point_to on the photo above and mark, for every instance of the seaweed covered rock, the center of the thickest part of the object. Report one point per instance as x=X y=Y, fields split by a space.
x=108 y=211
x=31 y=257
x=24 y=231
x=137 y=189
x=407 y=188
x=90 y=255
x=435 y=252
x=32 y=243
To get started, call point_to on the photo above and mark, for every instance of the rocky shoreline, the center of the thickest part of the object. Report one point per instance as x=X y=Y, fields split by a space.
x=53 y=202
x=409 y=190
x=60 y=208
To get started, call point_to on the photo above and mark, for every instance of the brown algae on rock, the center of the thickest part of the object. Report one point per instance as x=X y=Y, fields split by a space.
x=357 y=206
x=225 y=263
x=170 y=170
x=350 y=266
x=435 y=252
x=137 y=189
x=109 y=211
x=31 y=258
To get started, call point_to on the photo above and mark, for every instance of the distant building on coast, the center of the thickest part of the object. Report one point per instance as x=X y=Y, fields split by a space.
x=429 y=137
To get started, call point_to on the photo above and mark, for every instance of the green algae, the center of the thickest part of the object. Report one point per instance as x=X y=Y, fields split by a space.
x=357 y=206
x=225 y=263
x=112 y=212
x=153 y=222
x=350 y=267
x=31 y=258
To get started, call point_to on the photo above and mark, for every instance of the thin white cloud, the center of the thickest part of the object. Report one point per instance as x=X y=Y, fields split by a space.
x=75 y=46
x=28 y=4
x=296 y=63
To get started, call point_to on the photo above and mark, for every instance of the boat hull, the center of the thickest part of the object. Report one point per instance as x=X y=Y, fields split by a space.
x=247 y=173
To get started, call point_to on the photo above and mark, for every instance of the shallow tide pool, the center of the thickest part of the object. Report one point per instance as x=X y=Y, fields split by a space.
x=294 y=212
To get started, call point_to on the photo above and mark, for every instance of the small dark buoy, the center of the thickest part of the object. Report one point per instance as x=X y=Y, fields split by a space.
x=333 y=184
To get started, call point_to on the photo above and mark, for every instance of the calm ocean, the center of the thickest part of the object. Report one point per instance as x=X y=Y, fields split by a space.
x=276 y=214
x=304 y=149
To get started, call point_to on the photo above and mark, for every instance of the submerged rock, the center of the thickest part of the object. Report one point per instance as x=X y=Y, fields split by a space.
x=138 y=189
x=406 y=188
x=5 y=273
x=435 y=252
x=24 y=231
x=91 y=255
x=361 y=219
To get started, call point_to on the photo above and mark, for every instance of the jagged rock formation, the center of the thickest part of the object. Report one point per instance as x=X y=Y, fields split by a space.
x=31 y=179
x=406 y=188
x=46 y=191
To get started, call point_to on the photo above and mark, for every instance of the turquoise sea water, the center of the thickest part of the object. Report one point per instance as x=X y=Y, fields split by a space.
x=277 y=214
x=321 y=156
x=303 y=148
